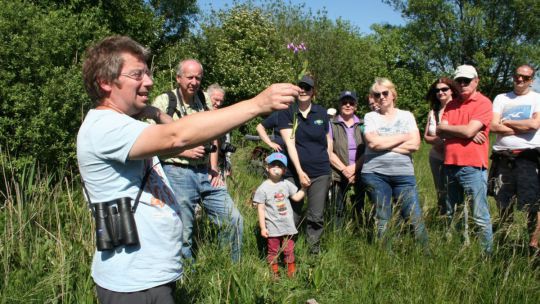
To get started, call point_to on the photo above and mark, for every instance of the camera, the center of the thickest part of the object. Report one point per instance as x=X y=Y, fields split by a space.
x=210 y=148
x=227 y=147
x=115 y=224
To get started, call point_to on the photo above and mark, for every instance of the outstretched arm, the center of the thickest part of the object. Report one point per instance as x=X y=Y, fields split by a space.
x=195 y=129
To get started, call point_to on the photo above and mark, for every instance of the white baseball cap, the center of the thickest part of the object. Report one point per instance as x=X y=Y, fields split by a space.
x=465 y=71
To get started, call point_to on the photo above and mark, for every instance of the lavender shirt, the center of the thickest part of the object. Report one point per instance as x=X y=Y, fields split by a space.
x=350 y=137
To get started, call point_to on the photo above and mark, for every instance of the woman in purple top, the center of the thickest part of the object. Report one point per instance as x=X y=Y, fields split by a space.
x=347 y=156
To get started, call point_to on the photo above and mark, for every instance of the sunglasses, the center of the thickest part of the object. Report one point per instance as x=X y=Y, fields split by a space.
x=378 y=94
x=524 y=77
x=437 y=90
x=463 y=81
x=305 y=87
x=351 y=103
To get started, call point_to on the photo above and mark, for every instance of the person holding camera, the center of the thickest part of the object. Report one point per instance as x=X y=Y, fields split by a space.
x=216 y=94
x=116 y=157
x=192 y=179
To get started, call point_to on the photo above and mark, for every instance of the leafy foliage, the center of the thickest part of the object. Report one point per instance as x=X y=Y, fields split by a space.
x=40 y=87
x=494 y=36
x=243 y=52
x=43 y=100
x=243 y=48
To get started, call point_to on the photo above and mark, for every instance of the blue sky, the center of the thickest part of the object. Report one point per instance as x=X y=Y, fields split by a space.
x=361 y=13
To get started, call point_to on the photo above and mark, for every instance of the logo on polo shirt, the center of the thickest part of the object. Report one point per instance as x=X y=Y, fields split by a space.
x=318 y=122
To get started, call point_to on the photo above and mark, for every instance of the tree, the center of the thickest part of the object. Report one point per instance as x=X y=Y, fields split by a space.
x=177 y=16
x=40 y=84
x=339 y=56
x=495 y=36
x=43 y=42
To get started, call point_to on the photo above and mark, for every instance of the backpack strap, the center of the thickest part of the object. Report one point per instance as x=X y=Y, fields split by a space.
x=202 y=99
x=173 y=102
x=171 y=108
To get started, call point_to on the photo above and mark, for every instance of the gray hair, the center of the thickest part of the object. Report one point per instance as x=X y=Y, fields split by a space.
x=180 y=68
x=213 y=88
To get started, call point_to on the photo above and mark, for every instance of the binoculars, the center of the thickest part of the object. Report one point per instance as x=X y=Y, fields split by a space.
x=115 y=224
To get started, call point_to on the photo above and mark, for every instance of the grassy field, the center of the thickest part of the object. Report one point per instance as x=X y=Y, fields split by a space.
x=47 y=244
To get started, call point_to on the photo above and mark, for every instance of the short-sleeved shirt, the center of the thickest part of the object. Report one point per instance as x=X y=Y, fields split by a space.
x=162 y=102
x=310 y=138
x=278 y=211
x=351 y=141
x=272 y=122
x=388 y=162
x=517 y=107
x=103 y=144
x=462 y=151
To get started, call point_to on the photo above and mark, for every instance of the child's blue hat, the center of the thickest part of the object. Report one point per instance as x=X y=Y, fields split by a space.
x=277 y=156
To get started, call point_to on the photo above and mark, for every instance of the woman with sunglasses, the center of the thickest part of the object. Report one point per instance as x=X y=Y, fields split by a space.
x=440 y=93
x=391 y=137
x=304 y=128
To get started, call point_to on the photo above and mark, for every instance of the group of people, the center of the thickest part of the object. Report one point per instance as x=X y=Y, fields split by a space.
x=163 y=160
x=373 y=155
x=458 y=129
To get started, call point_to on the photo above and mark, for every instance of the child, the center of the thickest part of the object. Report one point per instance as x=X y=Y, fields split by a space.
x=275 y=212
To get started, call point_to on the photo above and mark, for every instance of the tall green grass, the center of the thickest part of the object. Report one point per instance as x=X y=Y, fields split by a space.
x=47 y=244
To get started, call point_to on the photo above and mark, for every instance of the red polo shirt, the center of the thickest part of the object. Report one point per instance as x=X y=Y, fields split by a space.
x=461 y=151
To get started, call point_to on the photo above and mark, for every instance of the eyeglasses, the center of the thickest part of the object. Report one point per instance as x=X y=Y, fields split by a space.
x=524 y=77
x=378 y=94
x=305 y=87
x=437 y=90
x=463 y=81
x=137 y=74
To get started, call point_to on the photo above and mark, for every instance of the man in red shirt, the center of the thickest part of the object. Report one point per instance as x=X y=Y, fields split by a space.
x=465 y=127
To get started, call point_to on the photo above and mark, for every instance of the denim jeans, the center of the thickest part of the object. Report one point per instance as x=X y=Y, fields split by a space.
x=471 y=183
x=192 y=186
x=383 y=190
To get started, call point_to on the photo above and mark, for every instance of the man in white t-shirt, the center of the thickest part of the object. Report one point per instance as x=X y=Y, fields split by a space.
x=514 y=172
x=115 y=152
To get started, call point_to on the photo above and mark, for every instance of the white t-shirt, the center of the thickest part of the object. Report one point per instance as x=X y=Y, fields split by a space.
x=103 y=144
x=513 y=107
x=387 y=162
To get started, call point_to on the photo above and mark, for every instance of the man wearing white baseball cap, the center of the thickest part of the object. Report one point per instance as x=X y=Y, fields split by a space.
x=465 y=126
